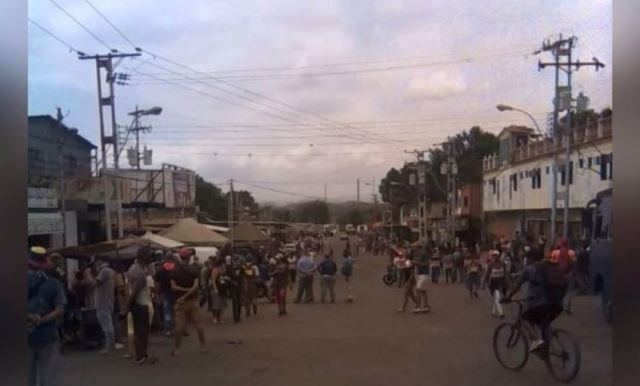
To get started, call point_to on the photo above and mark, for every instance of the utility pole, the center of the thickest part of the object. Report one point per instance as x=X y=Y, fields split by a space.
x=106 y=62
x=421 y=184
x=358 y=190
x=231 y=214
x=61 y=184
x=450 y=169
x=325 y=192
x=562 y=48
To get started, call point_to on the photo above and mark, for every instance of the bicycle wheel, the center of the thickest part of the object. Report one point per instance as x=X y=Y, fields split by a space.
x=510 y=346
x=388 y=279
x=563 y=359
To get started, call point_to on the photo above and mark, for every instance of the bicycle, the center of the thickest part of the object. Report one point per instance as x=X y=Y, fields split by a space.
x=560 y=348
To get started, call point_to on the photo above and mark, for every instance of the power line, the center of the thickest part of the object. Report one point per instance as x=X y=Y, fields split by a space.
x=69 y=46
x=281 y=191
x=111 y=24
x=261 y=96
x=96 y=37
x=258 y=77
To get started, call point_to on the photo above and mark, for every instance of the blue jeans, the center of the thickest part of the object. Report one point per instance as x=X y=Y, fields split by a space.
x=105 y=318
x=44 y=364
x=168 y=303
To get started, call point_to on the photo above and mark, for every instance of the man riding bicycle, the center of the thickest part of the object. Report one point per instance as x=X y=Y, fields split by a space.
x=547 y=286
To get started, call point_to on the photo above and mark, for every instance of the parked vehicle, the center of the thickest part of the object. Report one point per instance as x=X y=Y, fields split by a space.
x=350 y=229
x=344 y=237
x=600 y=236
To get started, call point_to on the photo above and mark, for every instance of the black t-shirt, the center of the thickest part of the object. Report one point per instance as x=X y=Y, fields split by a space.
x=163 y=278
x=184 y=276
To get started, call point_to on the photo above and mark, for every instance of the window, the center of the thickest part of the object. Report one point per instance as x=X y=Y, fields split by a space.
x=604 y=167
x=536 y=178
x=70 y=162
x=581 y=163
x=34 y=154
x=515 y=182
x=563 y=175
x=598 y=161
x=493 y=185
x=466 y=201
x=589 y=162
x=611 y=166
x=498 y=189
x=547 y=170
x=570 y=172
x=521 y=175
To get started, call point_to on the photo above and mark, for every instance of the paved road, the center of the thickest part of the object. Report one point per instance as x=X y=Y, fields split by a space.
x=363 y=343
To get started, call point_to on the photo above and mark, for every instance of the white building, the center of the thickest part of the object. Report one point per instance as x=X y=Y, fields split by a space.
x=517 y=182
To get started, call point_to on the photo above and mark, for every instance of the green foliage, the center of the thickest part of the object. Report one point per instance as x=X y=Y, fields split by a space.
x=210 y=199
x=316 y=212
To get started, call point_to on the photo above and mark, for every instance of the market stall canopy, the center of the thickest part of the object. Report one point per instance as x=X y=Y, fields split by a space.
x=190 y=232
x=216 y=228
x=247 y=232
x=121 y=249
x=164 y=241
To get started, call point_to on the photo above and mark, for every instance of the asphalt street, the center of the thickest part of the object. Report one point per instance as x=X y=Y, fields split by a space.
x=362 y=343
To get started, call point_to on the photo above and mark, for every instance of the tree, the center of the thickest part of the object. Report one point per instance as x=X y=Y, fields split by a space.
x=316 y=212
x=244 y=199
x=353 y=216
x=470 y=148
x=210 y=199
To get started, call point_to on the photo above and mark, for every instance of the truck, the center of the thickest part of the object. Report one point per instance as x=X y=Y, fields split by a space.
x=600 y=240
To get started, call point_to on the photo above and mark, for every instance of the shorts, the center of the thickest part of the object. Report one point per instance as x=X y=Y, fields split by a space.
x=188 y=310
x=544 y=314
x=421 y=282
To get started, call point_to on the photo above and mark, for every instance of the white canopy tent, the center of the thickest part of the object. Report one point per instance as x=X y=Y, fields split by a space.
x=164 y=241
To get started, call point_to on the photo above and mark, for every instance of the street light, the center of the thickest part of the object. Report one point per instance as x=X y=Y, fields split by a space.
x=503 y=108
x=135 y=126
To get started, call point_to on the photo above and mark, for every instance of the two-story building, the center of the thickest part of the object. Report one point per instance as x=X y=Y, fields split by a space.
x=517 y=182
x=56 y=153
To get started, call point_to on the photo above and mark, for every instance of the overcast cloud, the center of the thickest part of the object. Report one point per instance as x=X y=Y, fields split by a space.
x=473 y=55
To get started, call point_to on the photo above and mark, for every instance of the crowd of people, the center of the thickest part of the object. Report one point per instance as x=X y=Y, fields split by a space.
x=167 y=291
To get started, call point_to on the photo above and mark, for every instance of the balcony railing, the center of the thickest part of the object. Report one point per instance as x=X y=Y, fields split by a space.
x=591 y=131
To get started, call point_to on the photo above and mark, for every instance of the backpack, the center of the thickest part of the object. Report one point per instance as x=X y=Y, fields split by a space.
x=563 y=259
x=554 y=282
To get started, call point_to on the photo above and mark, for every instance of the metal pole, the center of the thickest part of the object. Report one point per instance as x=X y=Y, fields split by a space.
x=231 y=214
x=116 y=150
x=567 y=202
x=554 y=190
x=137 y=129
x=105 y=182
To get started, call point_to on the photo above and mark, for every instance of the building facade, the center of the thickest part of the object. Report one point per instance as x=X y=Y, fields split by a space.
x=56 y=153
x=517 y=182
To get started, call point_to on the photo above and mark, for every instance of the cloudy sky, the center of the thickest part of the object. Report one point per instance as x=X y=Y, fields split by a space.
x=287 y=96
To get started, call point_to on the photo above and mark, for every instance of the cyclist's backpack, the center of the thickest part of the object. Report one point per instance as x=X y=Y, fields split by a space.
x=555 y=282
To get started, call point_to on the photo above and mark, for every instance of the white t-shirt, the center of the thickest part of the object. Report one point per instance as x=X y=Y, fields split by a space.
x=144 y=297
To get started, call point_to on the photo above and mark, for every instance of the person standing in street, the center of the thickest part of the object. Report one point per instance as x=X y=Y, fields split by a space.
x=250 y=286
x=496 y=276
x=474 y=270
x=105 y=291
x=162 y=277
x=409 y=287
x=280 y=277
x=235 y=276
x=218 y=301
x=306 y=270
x=436 y=265
x=347 y=271
x=139 y=301
x=292 y=260
x=328 y=270
x=448 y=264
x=45 y=305
x=185 y=284
x=421 y=264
